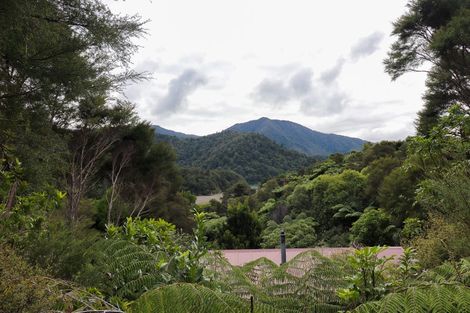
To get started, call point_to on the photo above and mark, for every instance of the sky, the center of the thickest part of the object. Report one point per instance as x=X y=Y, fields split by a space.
x=215 y=63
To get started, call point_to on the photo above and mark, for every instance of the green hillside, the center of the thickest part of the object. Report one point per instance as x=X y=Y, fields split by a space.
x=253 y=156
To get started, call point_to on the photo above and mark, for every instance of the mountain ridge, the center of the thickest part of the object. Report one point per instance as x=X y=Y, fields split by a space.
x=300 y=138
x=168 y=132
x=288 y=134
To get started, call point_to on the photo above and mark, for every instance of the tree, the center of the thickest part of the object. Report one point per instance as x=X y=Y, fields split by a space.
x=434 y=37
x=328 y=191
x=376 y=172
x=76 y=46
x=445 y=192
x=397 y=194
x=55 y=56
x=98 y=130
x=300 y=232
x=242 y=229
x=374 y=227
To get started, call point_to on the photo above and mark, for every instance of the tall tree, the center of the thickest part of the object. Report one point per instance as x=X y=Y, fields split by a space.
x=98 y=130
x=54 y=54
x=433 y=36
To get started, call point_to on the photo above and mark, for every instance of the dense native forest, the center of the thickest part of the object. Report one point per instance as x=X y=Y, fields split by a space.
x=253 y=156
x=95 y=213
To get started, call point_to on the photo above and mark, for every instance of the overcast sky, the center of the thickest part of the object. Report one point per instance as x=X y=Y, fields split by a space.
x=318 y=63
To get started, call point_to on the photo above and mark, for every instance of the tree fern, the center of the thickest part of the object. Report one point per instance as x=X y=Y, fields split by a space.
x=122 y=268
x=450 y=271
x=183 y=298
x=431 y=298
x=306 y=283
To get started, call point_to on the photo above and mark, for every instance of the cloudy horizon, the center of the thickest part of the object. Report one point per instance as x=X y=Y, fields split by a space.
x=319 y=64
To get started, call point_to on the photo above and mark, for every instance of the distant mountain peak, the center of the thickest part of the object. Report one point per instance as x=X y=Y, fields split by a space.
x=289 y=135
x=300 y=138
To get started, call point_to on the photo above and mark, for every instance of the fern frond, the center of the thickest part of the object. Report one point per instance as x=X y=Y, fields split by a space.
x=129 y=269
x=422 y=299
x=183 y=298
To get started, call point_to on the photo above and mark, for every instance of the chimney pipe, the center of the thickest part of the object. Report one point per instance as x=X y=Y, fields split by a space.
x=283 y=247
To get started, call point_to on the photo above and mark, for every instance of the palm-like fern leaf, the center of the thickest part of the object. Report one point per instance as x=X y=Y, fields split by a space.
x=307 y=283
x=431 y=298
x=127 y=270
x=184 y=298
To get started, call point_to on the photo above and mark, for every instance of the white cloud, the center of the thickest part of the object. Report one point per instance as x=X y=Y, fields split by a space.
x=178 y=91
x=245 y=53
x=319 y=97
x=366 y=45
x=330 y=75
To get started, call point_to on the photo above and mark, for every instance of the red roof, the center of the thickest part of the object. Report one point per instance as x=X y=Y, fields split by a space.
x=243 y=256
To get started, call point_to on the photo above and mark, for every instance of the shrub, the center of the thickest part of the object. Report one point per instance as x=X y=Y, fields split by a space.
x=374 y=227
x=23 y=288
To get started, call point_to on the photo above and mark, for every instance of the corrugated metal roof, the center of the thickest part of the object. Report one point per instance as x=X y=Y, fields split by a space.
x=243 y=256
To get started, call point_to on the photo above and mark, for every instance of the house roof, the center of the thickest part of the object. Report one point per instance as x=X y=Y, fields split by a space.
x=242 y=256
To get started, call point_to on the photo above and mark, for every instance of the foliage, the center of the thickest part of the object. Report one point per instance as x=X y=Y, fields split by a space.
x=374 y=226
x=155 y=234
x=123 y=269
x=409 y=267
x=242 y=229
x=376 y=173
x=368 y=281
x=59 y=248
x=449 y=272
x=412 y=227
x=308 y=282
x=143 y=254
x=397 y=194
x=206 y=182
x=23 y=213
x=434 y=33
x=62 y=64
x=195 y=298
x=328 y=191
x=76 y=54
x=331 y=192
x=431 y=298
x=239 y=189
x=252 y=156
x=442 y=240
x=22 y=287
x=444 y=193
x=34 y=227
x=300 y=232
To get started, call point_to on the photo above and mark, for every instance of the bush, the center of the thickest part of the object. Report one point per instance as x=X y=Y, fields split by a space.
x=412 y=227
x=22 y=287
x=442 y=240
x=374 y=227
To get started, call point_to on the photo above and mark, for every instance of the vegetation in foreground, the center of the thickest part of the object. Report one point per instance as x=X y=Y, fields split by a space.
x=92 y=214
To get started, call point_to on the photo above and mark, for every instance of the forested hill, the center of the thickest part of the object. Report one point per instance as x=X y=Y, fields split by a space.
x=300 y=138
x=163 y=131
x=253 y=156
